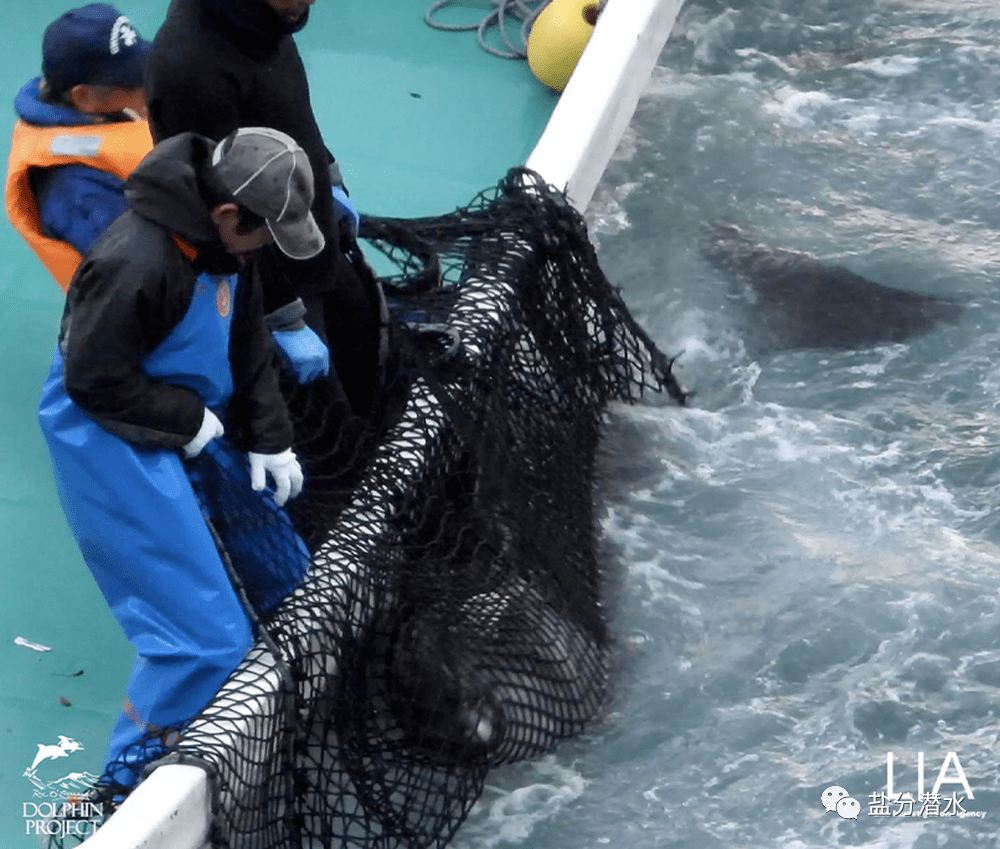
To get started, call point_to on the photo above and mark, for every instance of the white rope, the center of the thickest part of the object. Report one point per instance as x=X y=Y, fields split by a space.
x=518 y=10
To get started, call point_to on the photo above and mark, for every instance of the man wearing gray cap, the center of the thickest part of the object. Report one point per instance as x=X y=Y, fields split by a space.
x=163 y=353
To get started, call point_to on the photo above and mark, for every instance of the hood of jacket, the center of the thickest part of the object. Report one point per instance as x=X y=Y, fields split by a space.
x=32 y=109
x=252 y=24
x=166 y=189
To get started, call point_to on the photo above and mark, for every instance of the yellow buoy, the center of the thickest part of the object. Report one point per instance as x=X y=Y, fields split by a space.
x=558 y=37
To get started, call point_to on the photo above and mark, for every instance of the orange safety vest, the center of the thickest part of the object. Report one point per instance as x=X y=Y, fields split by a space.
x=115 y=148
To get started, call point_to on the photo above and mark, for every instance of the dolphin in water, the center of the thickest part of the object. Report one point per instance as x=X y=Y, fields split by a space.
x=795 y=301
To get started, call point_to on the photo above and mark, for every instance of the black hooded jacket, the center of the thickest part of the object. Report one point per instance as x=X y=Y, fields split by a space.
x=134 y=288
x=217 y=65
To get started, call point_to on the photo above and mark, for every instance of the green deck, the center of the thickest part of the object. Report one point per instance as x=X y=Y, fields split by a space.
x=421 y=120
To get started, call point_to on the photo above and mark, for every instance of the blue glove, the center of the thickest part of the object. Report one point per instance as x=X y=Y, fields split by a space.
x=347 y=215
x=304 y=353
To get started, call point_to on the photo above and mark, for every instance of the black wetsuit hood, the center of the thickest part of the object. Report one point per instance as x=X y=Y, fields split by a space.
x=253 y=24
x=217 y=65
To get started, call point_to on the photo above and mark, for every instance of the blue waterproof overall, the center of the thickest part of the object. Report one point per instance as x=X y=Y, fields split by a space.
x=143 y=536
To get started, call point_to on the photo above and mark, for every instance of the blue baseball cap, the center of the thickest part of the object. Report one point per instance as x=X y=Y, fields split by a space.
x=95 y=45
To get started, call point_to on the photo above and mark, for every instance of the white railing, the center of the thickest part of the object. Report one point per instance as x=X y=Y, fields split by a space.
x=600 y=98
x=169 y=811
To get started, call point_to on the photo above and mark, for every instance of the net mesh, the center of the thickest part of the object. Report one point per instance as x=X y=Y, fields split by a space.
x=451 y=618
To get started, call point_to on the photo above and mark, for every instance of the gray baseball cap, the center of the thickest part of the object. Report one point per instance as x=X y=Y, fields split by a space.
x=269 y=174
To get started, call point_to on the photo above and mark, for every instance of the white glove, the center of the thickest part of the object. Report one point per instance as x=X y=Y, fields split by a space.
x=285 y=470
x=211 y=428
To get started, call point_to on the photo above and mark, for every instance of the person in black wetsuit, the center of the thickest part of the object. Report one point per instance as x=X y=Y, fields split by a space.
x=221 y=64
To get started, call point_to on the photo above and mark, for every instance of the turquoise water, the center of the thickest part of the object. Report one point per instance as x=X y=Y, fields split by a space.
x=811 y=551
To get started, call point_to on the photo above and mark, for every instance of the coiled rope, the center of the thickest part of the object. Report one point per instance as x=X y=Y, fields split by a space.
x=504 y=10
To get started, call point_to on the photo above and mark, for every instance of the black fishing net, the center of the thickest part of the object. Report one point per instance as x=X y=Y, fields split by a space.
x=451 y=617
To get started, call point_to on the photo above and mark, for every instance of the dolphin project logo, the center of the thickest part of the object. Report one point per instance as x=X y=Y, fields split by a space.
x=60 y=806
x=73 y=783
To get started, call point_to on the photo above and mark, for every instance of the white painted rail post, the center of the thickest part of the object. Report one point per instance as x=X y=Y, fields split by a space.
x=601 y=96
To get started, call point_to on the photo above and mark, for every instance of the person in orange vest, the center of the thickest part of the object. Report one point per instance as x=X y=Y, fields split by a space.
x=81 y=131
